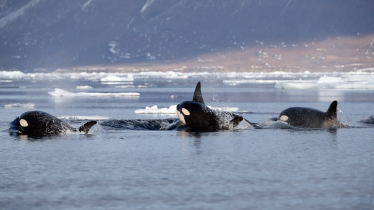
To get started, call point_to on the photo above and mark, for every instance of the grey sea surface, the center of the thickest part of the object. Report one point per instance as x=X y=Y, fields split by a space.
x=124 y=168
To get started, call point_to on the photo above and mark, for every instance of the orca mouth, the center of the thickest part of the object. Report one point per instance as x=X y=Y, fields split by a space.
x=181 y=117
x=15 y=127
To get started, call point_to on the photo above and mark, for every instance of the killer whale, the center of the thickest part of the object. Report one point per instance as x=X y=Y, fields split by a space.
x=196 y=115
x=38 y=124
x=311 y=118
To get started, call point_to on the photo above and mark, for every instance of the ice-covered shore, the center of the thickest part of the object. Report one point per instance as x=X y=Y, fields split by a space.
x=282 y=80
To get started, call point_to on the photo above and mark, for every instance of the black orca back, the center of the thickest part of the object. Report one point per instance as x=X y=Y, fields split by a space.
x=311 y=118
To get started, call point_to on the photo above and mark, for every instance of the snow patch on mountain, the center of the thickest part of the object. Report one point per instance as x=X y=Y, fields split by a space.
x=14 y=15
x=85 y=5
x=147 y=5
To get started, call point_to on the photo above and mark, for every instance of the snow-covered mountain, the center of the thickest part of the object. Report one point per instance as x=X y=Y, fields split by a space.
x=55 y=33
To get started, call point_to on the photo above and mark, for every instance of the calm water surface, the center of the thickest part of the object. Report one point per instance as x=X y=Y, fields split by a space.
x=147 y=169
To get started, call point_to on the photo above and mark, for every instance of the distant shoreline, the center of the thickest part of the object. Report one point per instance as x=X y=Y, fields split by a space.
x=340 y=54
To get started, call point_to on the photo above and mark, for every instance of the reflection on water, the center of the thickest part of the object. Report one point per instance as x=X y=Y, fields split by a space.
x=330 y=95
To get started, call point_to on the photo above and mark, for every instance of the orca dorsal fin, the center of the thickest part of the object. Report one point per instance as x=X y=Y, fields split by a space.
x=331 y=112
x=87 y=126
x=197 y=96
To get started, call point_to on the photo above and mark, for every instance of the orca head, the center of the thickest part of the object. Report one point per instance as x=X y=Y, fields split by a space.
x=292 y=116
x=38 y=123
x=25 y=123
x=303 y=117
x=196 y=106
x=196 y=114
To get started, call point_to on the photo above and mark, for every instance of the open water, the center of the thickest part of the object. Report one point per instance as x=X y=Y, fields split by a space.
x=133 y=165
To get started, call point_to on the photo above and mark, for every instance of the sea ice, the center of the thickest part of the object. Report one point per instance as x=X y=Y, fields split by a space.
x=155 y=110
x=114 y=78
x=330 y=82
x=84 y=87
x=18 y=105
x=63 y=93
x=327 y=79
x=282 y=80
x=173 y=109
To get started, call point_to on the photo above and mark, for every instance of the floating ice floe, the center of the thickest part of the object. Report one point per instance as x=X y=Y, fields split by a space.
x=114 y=78
x=249 y=81
x=131 y=86
x=63 y=93
x=328 y=79
x=155 y=110
x=175 y=96
x=173 y=110
x=6 y=81
x=12 y=74
x=84 y=87
x=18 y=105
x=328 y=82
x=165 y=75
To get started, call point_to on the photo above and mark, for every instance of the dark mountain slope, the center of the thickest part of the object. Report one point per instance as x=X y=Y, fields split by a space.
x=54 y=33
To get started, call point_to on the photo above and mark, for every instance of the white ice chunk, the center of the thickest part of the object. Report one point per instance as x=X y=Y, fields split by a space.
x=19 y=105
x=249 y=81
x=172 y=110
x=296 y=85
x=12 y=75
x=84 y=87
x=326 y=82
x=63 y=93
x=155 y=110
x=114 y=78
x=131 y=86
x=327 y=79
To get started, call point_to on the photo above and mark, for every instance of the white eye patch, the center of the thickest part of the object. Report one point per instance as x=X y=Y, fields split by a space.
x=23 y=123
x=284 y=118
x=185 y=111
